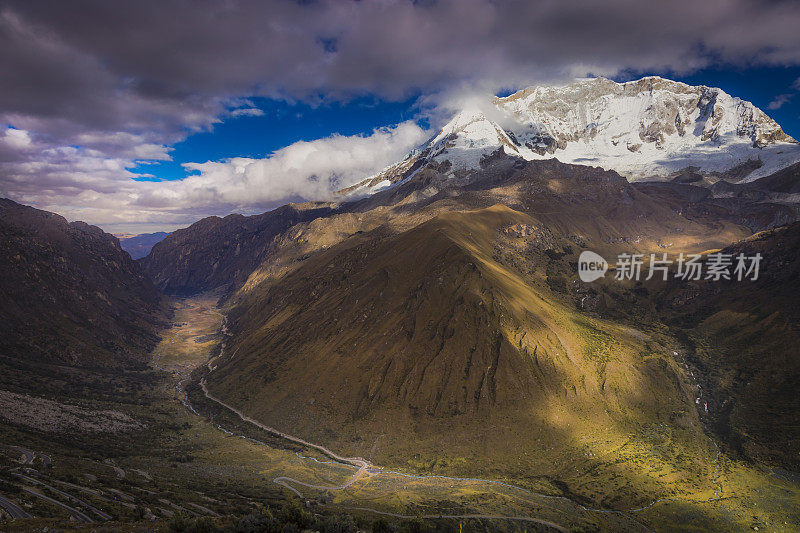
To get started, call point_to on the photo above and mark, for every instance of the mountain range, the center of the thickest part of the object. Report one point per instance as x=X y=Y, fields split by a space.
x=695 y=144
x=139 y=246
x=432 y=314
x=442 y=293
x=648 y=129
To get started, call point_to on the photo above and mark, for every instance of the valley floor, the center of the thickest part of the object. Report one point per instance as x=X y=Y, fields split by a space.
x=735 y=496
x=198 y=457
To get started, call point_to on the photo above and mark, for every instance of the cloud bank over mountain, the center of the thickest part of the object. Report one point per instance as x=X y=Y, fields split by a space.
x=84 y=98
x=302 y=170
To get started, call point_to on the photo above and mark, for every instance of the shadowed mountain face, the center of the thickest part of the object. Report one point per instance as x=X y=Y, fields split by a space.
x=747 y=205
x=743 y=337
x=70 y=294
x=219 y=252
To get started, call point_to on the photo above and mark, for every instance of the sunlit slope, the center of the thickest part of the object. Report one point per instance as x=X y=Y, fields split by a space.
x=587 y=206
x=393 y=345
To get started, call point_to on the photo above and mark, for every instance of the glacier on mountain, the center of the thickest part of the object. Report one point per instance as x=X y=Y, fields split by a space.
x=648 y=129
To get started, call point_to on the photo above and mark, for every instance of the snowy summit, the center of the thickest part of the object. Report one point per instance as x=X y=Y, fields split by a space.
x=652 y=128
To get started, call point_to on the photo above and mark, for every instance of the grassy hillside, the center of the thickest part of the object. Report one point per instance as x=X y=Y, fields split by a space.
x=455 y=339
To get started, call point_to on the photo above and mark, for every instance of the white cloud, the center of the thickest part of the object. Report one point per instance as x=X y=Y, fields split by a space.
x=247 y=112
x=305 y=169
x=124 y=145
x=14 y=138
x=779 y=101
x=84 y=184
x=87 y=78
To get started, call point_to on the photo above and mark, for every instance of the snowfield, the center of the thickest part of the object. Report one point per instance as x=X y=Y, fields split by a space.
x=648 y=129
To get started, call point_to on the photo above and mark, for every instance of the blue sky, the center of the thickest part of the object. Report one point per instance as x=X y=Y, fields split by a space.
x=284 y=123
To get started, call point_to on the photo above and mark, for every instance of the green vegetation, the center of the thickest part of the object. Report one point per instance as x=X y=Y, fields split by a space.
x=453 y=349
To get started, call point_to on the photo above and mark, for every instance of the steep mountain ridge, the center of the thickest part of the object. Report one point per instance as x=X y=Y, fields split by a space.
x=185 y=262
x=423 y=340
x=221 y=252
x=459 y=312
x=71 y=294
x=652 y=128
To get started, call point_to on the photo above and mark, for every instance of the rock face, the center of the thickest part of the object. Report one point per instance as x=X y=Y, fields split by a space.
x=70 y=294
x=644 y=129
x=220 y=252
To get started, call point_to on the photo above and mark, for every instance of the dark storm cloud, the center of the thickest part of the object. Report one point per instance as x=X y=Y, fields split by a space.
x=173 y=58
x=124 y=80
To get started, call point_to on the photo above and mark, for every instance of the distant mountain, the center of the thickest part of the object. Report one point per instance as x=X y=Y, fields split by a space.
x=652 y=128
x=139 y=246
x=70 y=294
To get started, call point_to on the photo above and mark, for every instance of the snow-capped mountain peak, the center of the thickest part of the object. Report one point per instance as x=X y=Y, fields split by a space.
x=652 y=128
x=646 y=128
x=468 y=137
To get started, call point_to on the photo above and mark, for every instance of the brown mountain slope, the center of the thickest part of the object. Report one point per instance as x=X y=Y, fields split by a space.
x=221 y=252
x=431 y=343
x=440 y=326
x=225 y=252
x=589 y=206
x=567 y=204
x=70 y=294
